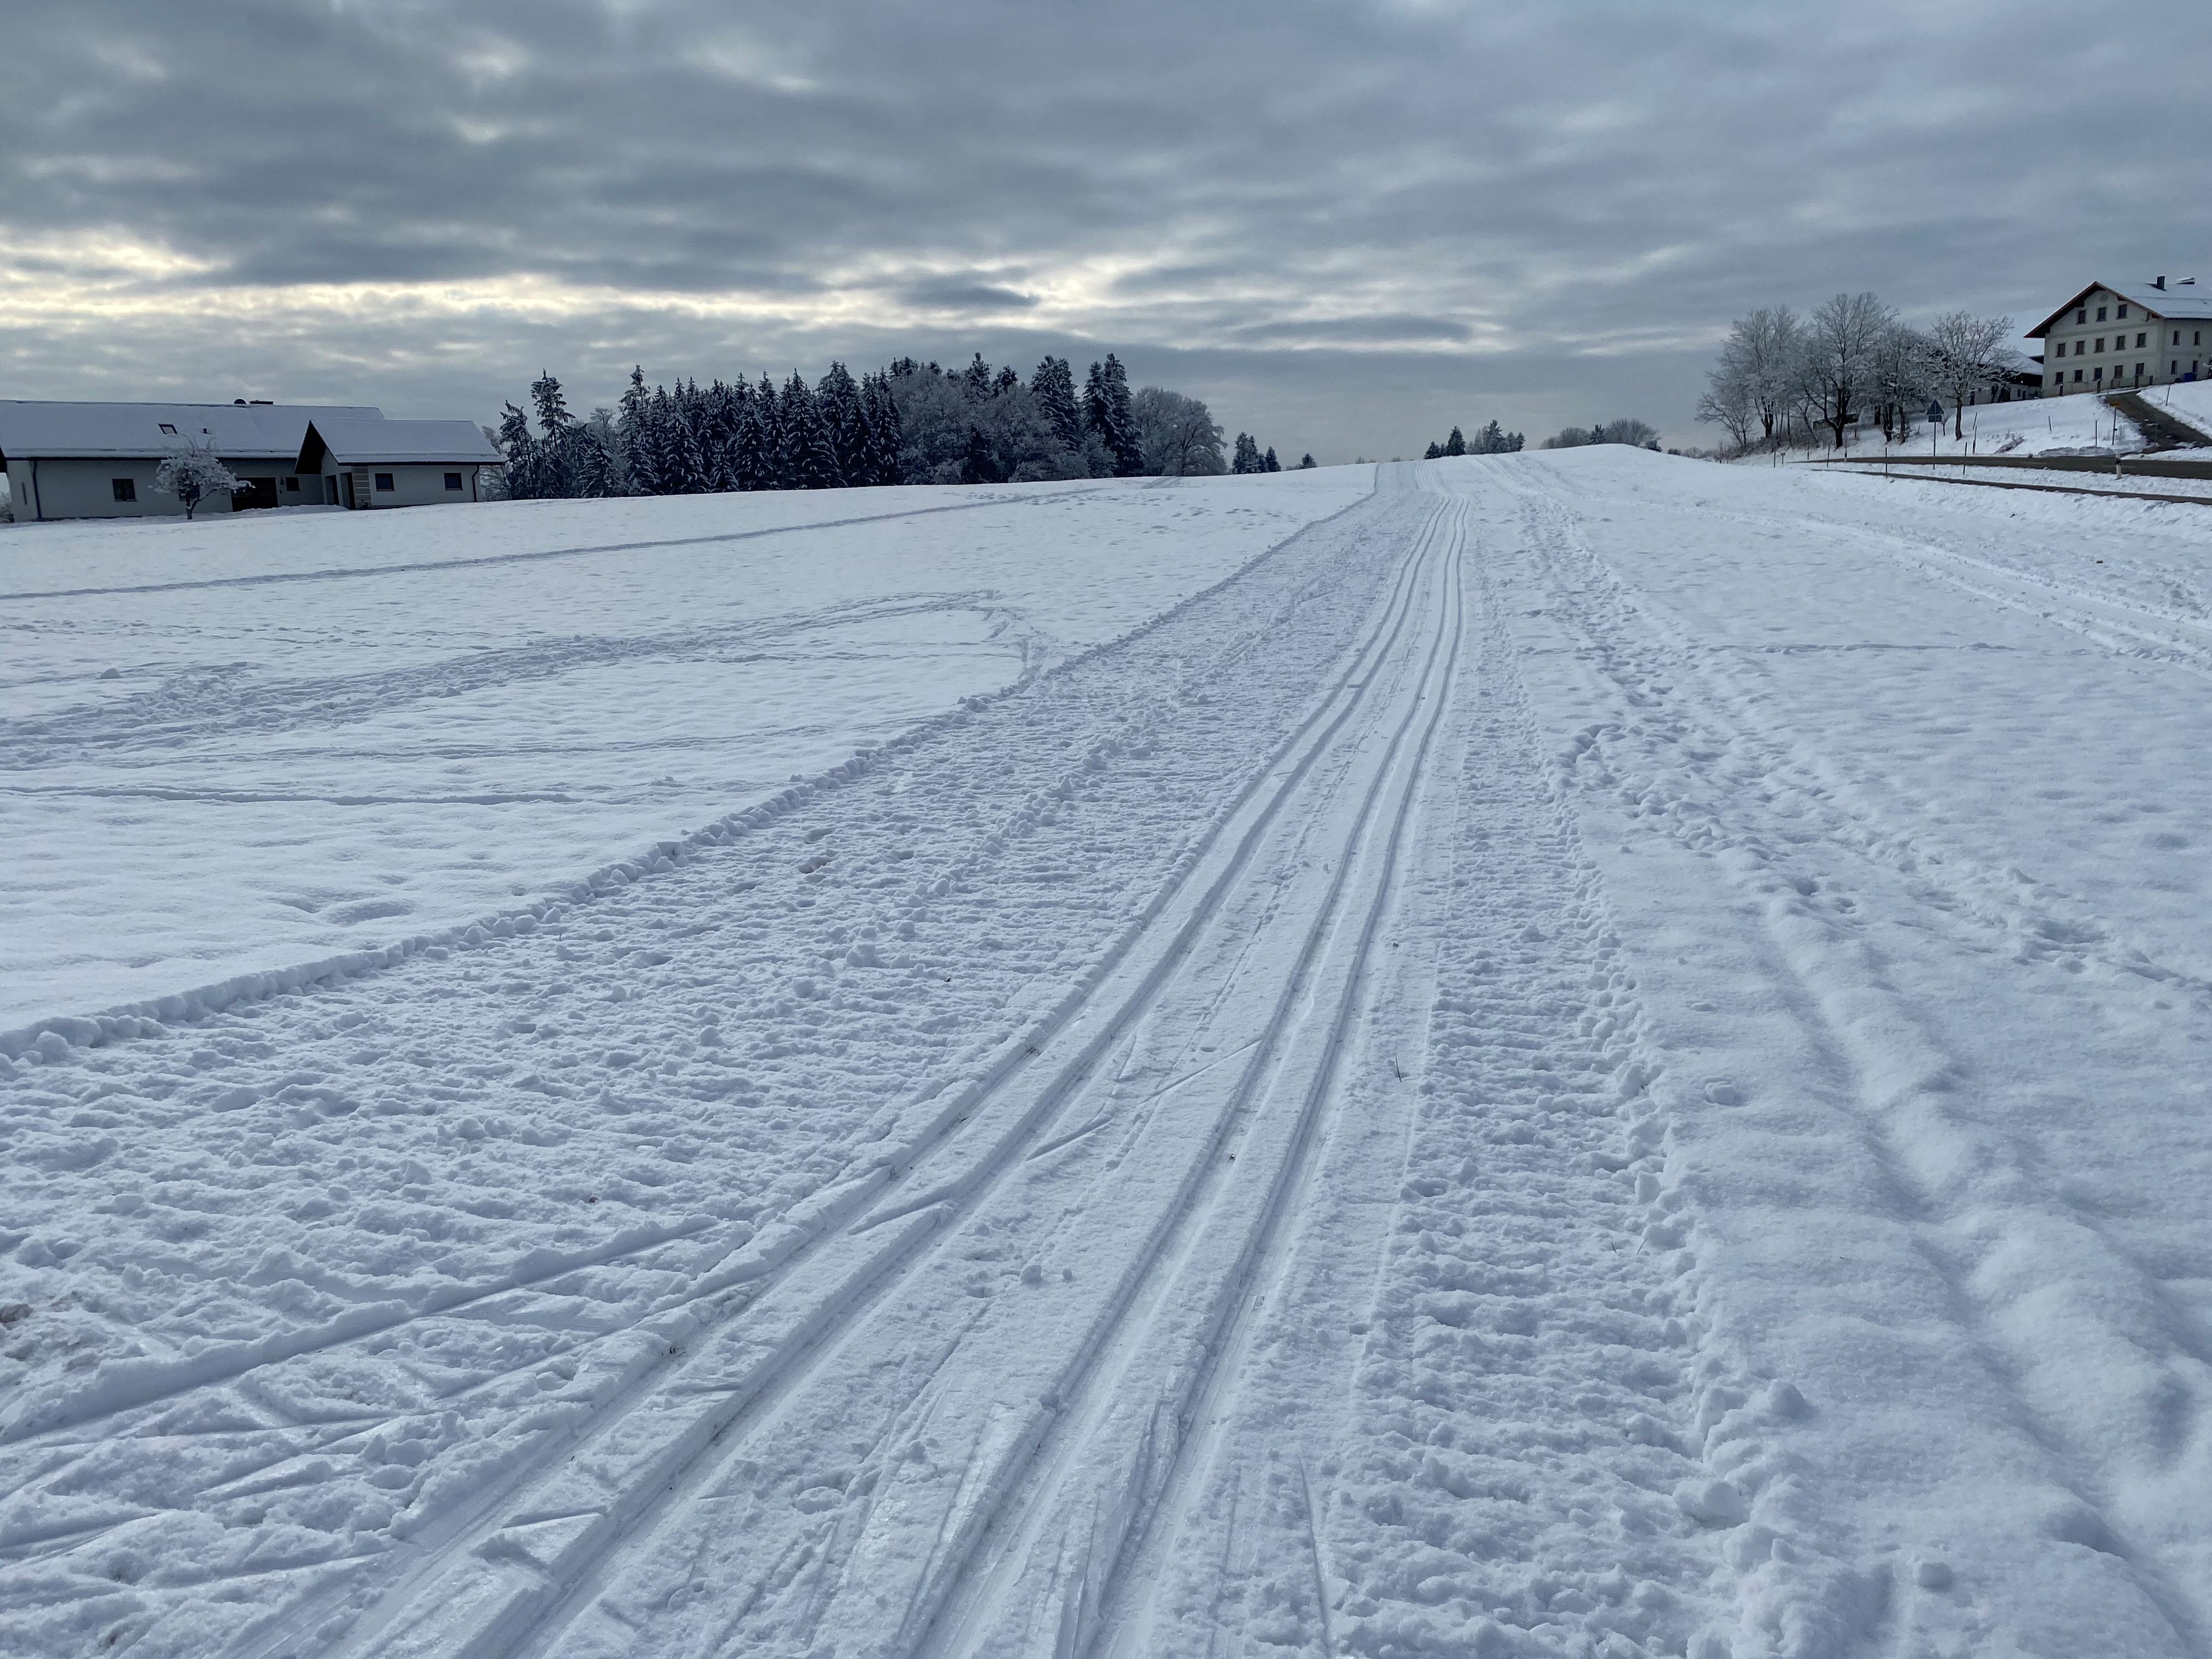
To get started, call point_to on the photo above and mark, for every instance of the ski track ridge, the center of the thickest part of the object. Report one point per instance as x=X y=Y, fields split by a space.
x=912 y=1225
x=1224 y=1328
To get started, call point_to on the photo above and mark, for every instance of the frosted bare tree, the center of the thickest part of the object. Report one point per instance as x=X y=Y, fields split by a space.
x=1901 y=375
x=1842 y=339
x=191 y=475
x=1968 y=354
x=1179 y=437
x=1758 y=371
x=1726 y=403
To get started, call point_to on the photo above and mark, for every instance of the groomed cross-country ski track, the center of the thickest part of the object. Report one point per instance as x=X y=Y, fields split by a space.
x=1593 y=1055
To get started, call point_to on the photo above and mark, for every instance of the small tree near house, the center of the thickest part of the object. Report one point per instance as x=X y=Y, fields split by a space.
x=191 y=475
x=1968 y=355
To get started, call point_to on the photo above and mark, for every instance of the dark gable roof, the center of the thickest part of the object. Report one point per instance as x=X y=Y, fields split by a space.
x=241 y=432
x=2165 y=304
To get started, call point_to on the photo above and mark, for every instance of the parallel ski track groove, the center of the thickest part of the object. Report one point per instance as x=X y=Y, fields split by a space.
x=805 y=1359
x=1118 y=1334
x=1243 y=1287
x=1308 y=741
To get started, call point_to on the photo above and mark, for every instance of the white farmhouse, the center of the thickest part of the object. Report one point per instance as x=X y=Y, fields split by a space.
x=378 y=462
x=86 y=460
x=2108 y=338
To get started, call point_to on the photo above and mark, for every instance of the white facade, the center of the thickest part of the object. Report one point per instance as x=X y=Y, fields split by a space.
x=2111 y=339
x=85 y=460
x=369 y=464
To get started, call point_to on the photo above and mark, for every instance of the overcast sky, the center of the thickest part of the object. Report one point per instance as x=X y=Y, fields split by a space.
x=1345 y=225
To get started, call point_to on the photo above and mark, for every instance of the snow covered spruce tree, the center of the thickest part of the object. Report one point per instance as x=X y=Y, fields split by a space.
x=192 y=474
x=1053 y=385
x=1106 y=401
x=565 y=460
x=1246 y=456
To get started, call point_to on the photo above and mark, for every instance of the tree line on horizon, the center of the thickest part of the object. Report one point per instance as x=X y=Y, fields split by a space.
x=907 y=423
x=1491 y=439
x=1782 y=379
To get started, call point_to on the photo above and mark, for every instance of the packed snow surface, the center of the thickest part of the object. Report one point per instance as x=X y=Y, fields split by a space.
x=231 y=748
x=1596 y=1055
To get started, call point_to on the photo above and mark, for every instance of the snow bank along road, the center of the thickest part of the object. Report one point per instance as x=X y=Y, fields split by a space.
x=1598 y=1056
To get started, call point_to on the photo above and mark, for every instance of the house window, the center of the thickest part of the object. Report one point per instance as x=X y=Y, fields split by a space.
x=167 y=430
x=2082 y=315
x=291 y=486
x=2077 y=374
x=2100 y=371
x=2177 y=337
x=126 y=489
x=2140 y=338
x=384 y=481
x=2122 y=316
x=453 y=481
x=2079 y=346
x=2196 y=338
x=2100 y=314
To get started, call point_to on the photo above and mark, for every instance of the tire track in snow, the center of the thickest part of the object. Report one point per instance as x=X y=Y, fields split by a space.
x=433 y=567
x=1985 y=1195
x=223 y=704
x=2045 y=923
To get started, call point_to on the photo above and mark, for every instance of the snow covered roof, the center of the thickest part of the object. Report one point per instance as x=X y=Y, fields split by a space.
x=351 y=443
x=258 y=432
x=2170 y=304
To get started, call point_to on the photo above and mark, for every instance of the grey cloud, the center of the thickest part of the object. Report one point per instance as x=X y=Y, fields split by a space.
x=1350 y=331
x=1553 y=196
x=958 y=294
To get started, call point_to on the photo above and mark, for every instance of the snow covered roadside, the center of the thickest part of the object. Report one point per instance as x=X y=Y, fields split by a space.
x=2078 y=424
x=243 y=745
x=2036 y=481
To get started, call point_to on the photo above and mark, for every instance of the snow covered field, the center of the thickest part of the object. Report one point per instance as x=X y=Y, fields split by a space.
x=240 y=747
x=1600 y=1055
